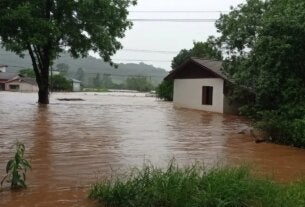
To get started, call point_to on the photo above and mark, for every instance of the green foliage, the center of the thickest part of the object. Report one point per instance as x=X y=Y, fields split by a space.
x=16 y=168
x=62 y=68
x=196 y=186
x=265 y=41
x=208 y=49
x=182 y=56
x=27 y=73
x=139 y=83
x=165 y=90
x=60 y=83
x=44 y=29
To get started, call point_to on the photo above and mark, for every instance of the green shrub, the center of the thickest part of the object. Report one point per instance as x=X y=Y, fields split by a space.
x=196 y=186
x=16 y=168
x=165 y=90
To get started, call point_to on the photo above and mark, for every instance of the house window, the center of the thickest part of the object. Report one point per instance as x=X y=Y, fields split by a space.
x=207 y=95
x=14 y=87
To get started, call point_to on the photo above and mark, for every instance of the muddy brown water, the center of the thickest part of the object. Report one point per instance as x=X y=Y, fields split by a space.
x=70 y=144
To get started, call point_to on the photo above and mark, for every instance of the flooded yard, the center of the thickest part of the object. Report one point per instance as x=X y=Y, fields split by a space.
x=69 y=144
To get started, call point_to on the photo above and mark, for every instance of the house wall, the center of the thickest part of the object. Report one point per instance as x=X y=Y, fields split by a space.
x=76 y=86
x=188 y=94
x=23 y=87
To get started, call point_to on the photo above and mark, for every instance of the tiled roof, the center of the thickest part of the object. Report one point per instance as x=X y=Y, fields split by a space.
x=7 y=76
x=31 y=81
x=215 y=66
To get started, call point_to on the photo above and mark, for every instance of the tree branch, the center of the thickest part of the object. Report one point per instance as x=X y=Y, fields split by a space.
x=34 y=62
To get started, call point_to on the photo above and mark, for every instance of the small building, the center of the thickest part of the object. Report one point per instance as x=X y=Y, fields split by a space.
x=4 y=77
x=200 y=84
x=3 y=68
x=21 y=84
x=76 y=85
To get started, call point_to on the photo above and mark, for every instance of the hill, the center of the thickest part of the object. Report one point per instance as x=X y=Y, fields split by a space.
x=91 y=67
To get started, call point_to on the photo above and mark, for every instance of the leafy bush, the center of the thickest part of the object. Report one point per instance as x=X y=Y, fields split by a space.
x=60 y=83
x=16 y=168
x=165 y=90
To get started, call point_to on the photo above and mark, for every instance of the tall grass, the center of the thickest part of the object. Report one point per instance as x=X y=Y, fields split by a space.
x=195 y=186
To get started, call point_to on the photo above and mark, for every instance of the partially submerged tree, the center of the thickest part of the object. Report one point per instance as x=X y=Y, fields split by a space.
x=265 y=41
x=46 y=28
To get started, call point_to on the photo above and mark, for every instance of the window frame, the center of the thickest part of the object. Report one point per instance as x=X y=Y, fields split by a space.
x=207 y=95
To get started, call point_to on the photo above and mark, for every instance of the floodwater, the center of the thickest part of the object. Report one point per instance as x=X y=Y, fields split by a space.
x=71 y=144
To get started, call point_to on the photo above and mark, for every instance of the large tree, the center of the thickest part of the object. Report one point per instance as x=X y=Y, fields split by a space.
x=266 y=45
x=208 y=49
x=45 y=28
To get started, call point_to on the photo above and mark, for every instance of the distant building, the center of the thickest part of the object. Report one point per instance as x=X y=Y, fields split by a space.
x=20 y=84
x=76 y=85
x=200 y=84
x=4 y=77
x=3 y=68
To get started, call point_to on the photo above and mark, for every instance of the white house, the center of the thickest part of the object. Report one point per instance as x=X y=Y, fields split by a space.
x=20 y=84
x=76 y=85
x=200 y=84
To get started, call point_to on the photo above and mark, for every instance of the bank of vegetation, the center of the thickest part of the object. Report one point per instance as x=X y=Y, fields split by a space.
x=196 y=186
x=263 y=43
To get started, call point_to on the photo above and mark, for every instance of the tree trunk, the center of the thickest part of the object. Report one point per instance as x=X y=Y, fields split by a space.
x=43 y=85
x=43 y=96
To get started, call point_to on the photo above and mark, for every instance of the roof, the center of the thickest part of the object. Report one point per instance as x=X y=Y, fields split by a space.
x=213 y=66
x=7 y=76
x=75 y=81
x=31 y=81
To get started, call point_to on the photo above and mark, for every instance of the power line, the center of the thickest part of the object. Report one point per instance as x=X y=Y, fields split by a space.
x=151 y=51
x=141 y=60
x=178 y=11
x=172 y=20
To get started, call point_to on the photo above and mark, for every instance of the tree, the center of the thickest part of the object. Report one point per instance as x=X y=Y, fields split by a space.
x=62 y=68
x=46 y=28
x=60 y=83
x=27 y=73
x=182 y=56
x=208 y=49
x=106 y=81
x=139 y=83
x=80 y=74
x=165 y=90
x=97 y=81
x=266 y=42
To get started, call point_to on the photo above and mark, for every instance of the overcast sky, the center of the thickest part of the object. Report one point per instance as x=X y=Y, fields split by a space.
x=168 y=36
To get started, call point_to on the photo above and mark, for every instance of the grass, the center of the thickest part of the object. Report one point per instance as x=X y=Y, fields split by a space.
x=195 y=186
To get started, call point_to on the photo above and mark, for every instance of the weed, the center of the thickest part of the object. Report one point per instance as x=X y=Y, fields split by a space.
x=16 y=168
x=196 y=186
